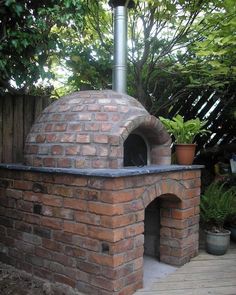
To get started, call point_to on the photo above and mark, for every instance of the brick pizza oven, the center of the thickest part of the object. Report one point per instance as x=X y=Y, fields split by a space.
x=97 y=165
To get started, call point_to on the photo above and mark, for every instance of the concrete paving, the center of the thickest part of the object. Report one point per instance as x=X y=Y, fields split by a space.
x=155 y=270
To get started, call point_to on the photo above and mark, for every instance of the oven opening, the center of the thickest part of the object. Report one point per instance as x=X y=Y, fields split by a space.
x=135 y=151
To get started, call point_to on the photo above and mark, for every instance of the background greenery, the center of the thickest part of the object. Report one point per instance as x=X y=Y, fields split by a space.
x=175 y=47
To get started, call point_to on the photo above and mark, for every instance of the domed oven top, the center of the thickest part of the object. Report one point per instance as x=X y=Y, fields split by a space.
x=88 y=129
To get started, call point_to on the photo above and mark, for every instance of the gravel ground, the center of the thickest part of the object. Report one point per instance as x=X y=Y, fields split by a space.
x=17 y=282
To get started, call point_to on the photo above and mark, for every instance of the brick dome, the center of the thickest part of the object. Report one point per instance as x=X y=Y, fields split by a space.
x=87 y=129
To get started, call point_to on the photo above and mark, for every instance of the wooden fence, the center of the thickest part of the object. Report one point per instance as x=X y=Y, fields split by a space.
x=17 y=114
x=214 y=107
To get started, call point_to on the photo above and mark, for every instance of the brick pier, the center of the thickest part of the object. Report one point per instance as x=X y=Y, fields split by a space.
x=86 y=228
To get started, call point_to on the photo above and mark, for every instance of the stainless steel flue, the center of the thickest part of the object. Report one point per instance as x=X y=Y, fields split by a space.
x=119 y=77
x=119 y=73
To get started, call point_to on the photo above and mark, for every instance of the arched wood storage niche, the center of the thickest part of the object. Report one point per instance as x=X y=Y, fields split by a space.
x=85 y=228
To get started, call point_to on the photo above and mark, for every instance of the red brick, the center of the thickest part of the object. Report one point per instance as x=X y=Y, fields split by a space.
x=134 y=230
x=191 y=174
x=99 y=163
x=42 y=252
x=49 y=162
x=88 y=150
x=60 y=127
x=118 y=221
x=92 y=127
x=100 y=138
x=182 y=214
x=114 y=184
x=121 y=246
x=191 y=193
x=51 y=138
x=88 y=218
x=102 y=283
x=64 y=280
x=57 y=150
x=64 y=162
x=117 y=196
x=50 y=200
x=101 y=117
x=89 y=267
x=31 y=218
x=103 y=259
x=75 y=127
x=106 y=127
x=83 y=138
x=105 y=209
x=40 y=138
x=63 y=237
x=52 y=245
x=72 y=150
x=75 y=228
x=66 y=137
x=54 y=223
x=105 y=234
x=174 y=223
x=22 y=185
x=75 y=252
x=62 y=190
x=25 y=206
x=85 y=116
x=75 y=204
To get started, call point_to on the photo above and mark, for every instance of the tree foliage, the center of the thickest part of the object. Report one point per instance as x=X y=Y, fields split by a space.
x=28 y=39
x=173 y=46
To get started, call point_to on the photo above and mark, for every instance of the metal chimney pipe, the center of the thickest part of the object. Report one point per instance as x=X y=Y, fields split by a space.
x=119 y=74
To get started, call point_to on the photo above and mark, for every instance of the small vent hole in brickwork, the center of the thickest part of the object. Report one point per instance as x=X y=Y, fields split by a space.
x=37 y=209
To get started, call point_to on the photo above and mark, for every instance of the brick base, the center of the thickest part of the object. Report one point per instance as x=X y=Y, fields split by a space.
x=87 y=232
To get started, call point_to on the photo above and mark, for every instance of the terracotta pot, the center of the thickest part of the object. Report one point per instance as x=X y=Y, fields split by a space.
x=185 y=153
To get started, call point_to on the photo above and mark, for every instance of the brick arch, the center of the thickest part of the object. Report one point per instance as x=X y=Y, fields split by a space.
x=162 y=188
x=155 y=136
x=150 y=126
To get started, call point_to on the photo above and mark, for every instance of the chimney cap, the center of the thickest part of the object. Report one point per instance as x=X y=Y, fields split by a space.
x=115 y=3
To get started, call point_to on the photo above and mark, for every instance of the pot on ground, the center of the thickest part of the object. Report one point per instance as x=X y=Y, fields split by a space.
x=185 y=153
x=217 y=243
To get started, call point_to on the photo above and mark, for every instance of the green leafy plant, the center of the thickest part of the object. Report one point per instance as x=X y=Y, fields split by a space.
x=184 y=131
x=217 y=205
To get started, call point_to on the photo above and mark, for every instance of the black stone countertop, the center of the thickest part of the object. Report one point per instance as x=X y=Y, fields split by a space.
x=110 y=173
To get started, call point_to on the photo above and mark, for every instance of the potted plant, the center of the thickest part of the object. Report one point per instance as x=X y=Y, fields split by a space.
x=217 y=205
x=184 y=133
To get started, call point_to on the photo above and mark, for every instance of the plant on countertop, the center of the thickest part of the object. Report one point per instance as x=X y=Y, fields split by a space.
x=184 y=132
x=217 y=205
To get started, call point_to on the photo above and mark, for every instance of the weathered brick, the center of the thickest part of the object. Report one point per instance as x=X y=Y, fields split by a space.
x=52 y=245
x=88 y=218
x=50 y=222
x=118 y=221
x=182 y=214
x=105 y=209
x=64 y=280
x=103 y=259
x=42 y=232
x=105 y=234
x=76 y=204
x=75 y=228
x=57 y=150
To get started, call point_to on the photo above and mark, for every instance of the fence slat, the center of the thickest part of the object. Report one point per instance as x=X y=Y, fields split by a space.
x=18 y=130
x=28 y=114
x=7 y=129
x=1 y=127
